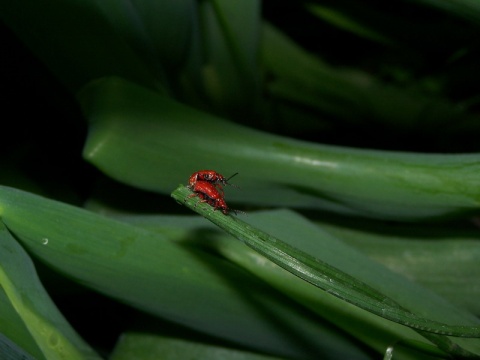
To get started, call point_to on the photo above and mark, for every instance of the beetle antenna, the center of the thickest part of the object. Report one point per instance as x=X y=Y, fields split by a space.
x=226 y=181
x=232 y=176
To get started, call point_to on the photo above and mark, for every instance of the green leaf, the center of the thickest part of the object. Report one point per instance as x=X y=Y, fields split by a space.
x=372 y=330
x=166 y=279
x=159 y=32
x=345 y=22
x=349 y=95
x=155 y=143
x=468 y=9
x=349 y=278
x=443 y=258
x=10 y=351
x=230 y=45
x=152 y=347
x=80 y=47
x=51 y=333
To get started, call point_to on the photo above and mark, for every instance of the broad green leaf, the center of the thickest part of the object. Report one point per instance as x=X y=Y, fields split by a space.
x=155 y=143
x=19 y=282
x=230 y=45
x=346 y=274
x=349 y=95
x=134 y=345
x=296 y=71
x=174 y=281
x=158 y=31
x=10 y=351
x=74 y=40
x=15 y=337
x=468 y=9
x=372 y=330
x=347 y=23
x=441 y=257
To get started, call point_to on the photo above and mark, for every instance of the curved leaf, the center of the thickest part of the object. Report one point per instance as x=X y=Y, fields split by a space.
x=50 y=331
x=154 y=143
x=396 y=299
x=167 y=279
x=327 y=277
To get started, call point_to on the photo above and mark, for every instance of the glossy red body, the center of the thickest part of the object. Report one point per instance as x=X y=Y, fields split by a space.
x=210 y=176
x=208 y=193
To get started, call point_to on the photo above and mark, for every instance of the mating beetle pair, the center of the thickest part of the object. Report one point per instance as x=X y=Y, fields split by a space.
x=208 y=186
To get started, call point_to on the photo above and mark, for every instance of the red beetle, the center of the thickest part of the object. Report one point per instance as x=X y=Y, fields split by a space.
x=207 y=192
x=212 y=177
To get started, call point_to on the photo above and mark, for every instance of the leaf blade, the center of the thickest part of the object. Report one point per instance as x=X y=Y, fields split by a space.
x=168 y=280
x=321 y=274
x=50 y=331
x=137 y=137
